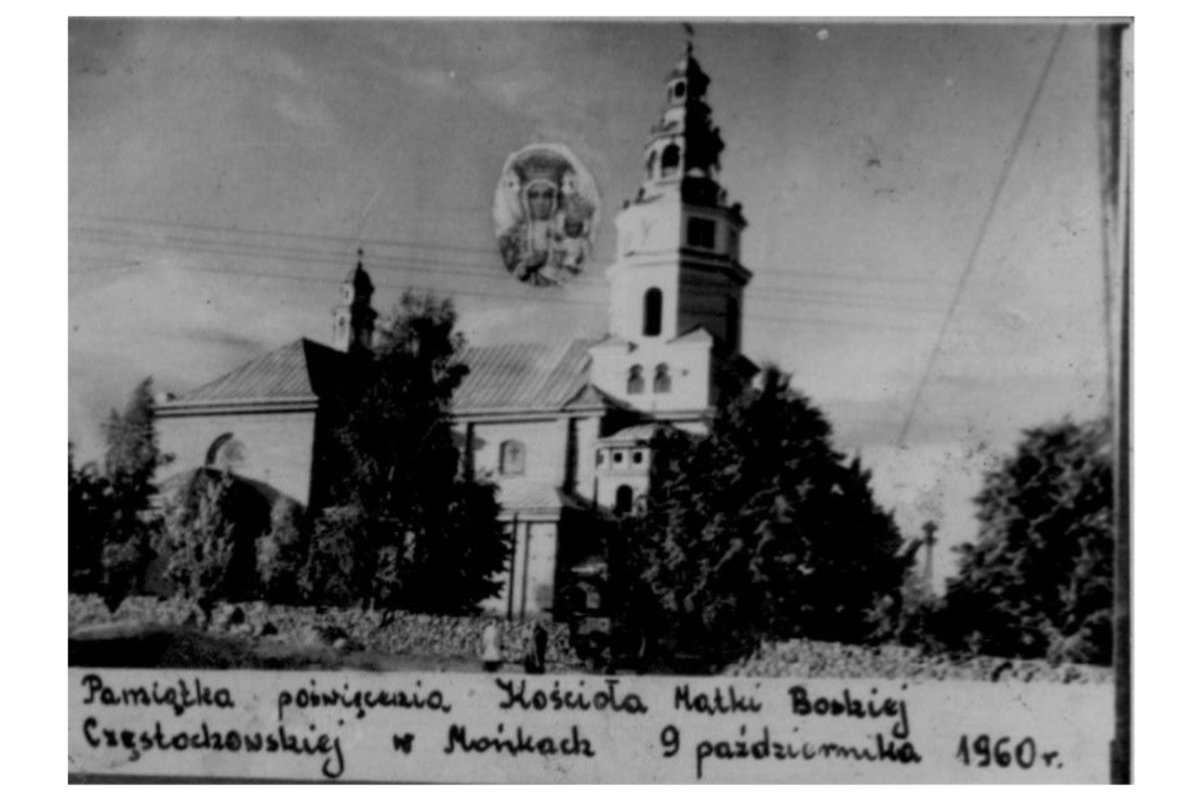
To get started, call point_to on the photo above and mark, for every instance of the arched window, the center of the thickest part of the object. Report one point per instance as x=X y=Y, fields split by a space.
x=624 y=500
x=670 y=160
x=652 y=312
x=662 y=379
x=636 y=384
x=224 y=453
x=512 y=458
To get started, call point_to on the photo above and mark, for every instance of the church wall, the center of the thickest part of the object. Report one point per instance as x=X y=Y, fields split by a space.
x=529 y=586
x=608 y=484
x=587 y=431
x=545 y=449
x=276 y=448
x=688 y=364
x=705 y=299
x=626 y=305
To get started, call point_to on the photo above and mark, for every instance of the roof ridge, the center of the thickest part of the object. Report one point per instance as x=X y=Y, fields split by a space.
x=278 y=369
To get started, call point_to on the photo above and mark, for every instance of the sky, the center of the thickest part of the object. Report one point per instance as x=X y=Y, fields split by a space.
x=222 y=175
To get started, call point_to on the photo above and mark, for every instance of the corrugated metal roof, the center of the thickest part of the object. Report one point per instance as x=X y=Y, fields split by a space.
x=533 y=376
x=296 y=371
x=510 y=377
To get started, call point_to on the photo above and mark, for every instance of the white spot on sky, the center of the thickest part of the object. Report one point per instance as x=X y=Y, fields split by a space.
x=823 y=34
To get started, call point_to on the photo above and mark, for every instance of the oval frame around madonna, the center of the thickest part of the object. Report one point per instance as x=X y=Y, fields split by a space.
x=545 y=212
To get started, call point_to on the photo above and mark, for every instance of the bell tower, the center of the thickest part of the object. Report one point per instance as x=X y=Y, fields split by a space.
x=354 y=318
x=679 y=240
x=676 y=287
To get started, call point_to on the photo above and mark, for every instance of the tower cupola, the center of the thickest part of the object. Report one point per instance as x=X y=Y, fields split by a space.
x=354 y=318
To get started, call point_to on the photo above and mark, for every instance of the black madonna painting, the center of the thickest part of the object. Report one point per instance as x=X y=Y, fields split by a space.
x=545 y=212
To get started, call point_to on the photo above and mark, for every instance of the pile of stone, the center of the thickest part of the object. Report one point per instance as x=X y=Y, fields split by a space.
x=801 y=658
x=341 y=629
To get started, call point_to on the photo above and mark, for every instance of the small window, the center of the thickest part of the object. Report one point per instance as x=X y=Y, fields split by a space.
x=639 y=456
x=670 y=160
x=636 y=384
x=512 y=458
x=652 y=312
x=733 y=242
x=662 y=379
x=600 y=458
x=702 y=232
x=619 y=457
x=624 y=499
x=679 y=88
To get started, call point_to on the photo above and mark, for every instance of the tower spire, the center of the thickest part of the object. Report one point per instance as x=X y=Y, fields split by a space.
x=354 y=318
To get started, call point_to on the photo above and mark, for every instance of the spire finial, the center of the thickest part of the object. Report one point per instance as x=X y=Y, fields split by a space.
x=360 y=257
x=690 y=33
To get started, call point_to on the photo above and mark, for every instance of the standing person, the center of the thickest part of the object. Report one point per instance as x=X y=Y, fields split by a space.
x=491 y=647
x=535 y=649
x=540 y=641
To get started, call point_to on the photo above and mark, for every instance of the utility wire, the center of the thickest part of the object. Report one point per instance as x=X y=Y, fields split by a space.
x=442 y=268
x=973 y=257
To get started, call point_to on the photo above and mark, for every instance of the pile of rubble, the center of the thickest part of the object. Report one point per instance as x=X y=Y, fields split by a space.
x=800 y=658
x=342 y=629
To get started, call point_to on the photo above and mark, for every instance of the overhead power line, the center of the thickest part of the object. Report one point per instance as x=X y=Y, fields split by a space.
x=985 y=224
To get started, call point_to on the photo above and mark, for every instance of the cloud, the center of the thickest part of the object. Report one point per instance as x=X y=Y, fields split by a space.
x=166 y=320
x=431 y=79
x=305 y=113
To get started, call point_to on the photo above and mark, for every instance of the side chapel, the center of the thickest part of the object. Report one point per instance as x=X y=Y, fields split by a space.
x=562 y=427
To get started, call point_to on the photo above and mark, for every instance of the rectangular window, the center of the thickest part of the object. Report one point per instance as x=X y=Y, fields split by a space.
x=702 y=232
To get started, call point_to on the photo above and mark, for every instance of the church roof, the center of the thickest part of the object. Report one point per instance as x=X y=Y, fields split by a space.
x=524 y=377
x=696 y=333
x=511 y=377
x=526 y=495
x=635 y=433
x=299 y=370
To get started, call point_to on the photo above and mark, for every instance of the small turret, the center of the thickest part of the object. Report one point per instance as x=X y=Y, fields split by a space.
x=354 y=318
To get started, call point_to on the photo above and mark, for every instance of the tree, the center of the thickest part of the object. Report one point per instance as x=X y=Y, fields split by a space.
x=213 y=525
x=112 y=522
x=429 y=535
x=1039 y=580
x=282 y=553
x=89 y=514
x=761 y=529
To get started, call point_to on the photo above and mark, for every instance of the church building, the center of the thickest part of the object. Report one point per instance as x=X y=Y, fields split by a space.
x=563 y=428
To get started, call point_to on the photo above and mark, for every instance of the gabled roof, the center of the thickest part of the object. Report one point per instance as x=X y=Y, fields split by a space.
x=696 y=333
x=635 y=433
x=526 y=495
x=523 y=377
x=298 y=371
x=614 y=342
x=589 y=397
x=534 y=377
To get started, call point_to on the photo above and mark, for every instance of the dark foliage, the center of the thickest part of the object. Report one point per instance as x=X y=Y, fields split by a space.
x=760 y=529
x=213 y=525
x=1039 y=581
x=427 y=537
x=112 y=524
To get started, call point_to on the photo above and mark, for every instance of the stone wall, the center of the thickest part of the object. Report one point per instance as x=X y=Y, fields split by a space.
x=799 y=658
x=451 y=638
